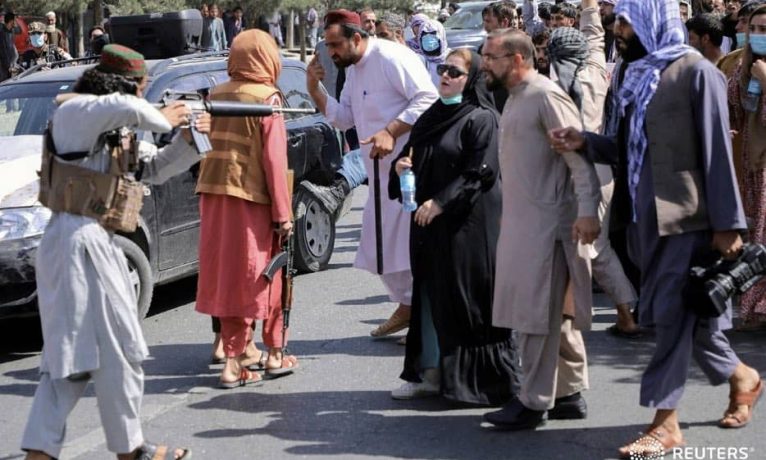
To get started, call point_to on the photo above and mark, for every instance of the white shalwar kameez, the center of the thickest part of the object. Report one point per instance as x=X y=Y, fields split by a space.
x=389 y=82
x=88 y=307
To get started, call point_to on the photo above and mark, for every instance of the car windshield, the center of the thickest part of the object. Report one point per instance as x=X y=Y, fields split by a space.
x=26 y=108
x=465 y=18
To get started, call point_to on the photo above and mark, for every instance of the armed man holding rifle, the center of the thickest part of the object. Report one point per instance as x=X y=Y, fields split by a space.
x=245 y=212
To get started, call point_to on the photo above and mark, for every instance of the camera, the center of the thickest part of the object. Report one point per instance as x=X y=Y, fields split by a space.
x=710 y=287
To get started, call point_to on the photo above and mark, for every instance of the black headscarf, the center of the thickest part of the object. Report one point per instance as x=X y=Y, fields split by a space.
x=440 y=117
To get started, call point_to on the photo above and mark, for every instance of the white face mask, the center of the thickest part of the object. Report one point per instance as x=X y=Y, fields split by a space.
x=37 y=40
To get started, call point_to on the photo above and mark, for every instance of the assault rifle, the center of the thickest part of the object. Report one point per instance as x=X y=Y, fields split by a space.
x=197 y=103
x=284 y=261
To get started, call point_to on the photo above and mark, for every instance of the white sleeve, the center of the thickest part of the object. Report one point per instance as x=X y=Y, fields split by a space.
x=115 y=110
x=173 y=159
x=413 y=81
x=339 y=113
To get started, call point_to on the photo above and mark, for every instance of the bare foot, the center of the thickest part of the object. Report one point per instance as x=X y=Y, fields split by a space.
x=37 y=455
x=252 y=356
x=218 y=353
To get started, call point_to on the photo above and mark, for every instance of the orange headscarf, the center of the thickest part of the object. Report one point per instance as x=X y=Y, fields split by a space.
x=254 y=57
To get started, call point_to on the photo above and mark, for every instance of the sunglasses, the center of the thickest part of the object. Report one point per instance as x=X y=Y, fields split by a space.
x=452 y=71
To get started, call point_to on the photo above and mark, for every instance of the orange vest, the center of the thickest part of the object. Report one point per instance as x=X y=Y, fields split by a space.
x=235 y=165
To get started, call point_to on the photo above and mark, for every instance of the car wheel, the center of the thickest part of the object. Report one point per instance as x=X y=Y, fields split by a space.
x=140 y=273
x=314 y=233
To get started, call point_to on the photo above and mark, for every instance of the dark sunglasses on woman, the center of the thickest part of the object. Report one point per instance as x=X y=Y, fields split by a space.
x=452 y=71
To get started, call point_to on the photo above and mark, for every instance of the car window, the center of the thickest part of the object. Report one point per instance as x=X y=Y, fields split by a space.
x=26 y=108
x=465 y=18
x=292 y=83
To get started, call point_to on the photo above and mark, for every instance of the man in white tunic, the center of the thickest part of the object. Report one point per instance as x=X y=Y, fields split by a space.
x=386 y=90
x=549 y=203
x=88 y=307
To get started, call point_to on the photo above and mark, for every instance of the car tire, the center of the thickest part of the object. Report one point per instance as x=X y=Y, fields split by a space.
x=314 y=233
x=140 y=273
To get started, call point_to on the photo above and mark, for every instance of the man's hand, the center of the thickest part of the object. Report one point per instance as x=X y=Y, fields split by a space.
x=402 y=164
x=177 y=113
x=284 y=229
x=585 y=229
x=314 y=73
x=758 y=70
x=427 y=212
x=203 y=122
x=382 y=143
x=728 y=243
x=565 y=140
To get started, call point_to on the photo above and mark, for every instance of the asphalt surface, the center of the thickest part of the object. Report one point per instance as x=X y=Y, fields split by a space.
x=338 y=404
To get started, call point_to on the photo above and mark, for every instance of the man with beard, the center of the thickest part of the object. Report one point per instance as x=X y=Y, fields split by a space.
x=685 y=10
x=386 y=89
x=390 y=26
x=550 y=202
x=606 y=9
x=669 y=137
x=540 y=40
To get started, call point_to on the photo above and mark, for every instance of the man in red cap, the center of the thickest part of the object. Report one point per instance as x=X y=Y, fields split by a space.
x=387 y=88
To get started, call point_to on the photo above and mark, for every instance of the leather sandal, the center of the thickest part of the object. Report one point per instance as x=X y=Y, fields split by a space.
x=246 y=377
x=288 y=365
x=395 y=323
x=733 y=419
x=654 y=443
x=150 y=451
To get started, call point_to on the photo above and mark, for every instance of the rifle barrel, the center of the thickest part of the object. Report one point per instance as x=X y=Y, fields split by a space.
x=244 y=109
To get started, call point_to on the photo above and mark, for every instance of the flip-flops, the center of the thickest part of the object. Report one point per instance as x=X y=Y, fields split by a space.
x=151 y=451
x=246 y=377
x=260 y=364
x=289 y=365
x=617 y=332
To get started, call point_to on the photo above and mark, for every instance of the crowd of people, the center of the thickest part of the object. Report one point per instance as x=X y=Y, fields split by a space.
x=552 y=146
x=576 y=144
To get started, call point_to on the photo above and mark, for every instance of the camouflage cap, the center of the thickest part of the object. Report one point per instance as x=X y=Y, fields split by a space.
x=36 y=27
x=122 y=60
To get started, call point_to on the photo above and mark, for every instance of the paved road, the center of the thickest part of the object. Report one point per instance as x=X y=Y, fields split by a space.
x=338 y=405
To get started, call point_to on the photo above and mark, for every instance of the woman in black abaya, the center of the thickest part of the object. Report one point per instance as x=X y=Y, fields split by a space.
x=452 y=348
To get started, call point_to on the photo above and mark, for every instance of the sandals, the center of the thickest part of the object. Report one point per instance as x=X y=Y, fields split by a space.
x=399 y=320
x=731 y=419
x=289 y=365
x=151 y=451
x=246 y=377
x=655 y=443
x=260 y=363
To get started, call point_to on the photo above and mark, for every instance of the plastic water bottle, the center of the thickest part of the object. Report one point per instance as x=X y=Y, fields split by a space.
x=750 y=102
x=407 y=181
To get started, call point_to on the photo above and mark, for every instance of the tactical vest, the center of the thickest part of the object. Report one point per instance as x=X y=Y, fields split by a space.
x=114 y=199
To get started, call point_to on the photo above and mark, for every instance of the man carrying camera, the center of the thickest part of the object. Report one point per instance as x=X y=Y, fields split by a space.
x=668 y=137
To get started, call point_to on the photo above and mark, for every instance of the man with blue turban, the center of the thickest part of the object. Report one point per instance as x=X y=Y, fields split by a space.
x=668 y=137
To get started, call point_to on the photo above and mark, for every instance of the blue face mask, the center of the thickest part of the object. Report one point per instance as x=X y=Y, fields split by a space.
x=37 y=40
x=758 y=44
x=740 y=39
x=453 y=100
x=429 y=43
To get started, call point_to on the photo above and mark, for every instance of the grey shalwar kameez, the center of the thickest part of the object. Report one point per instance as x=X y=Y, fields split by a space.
x=664 y=252
x=88 y=307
